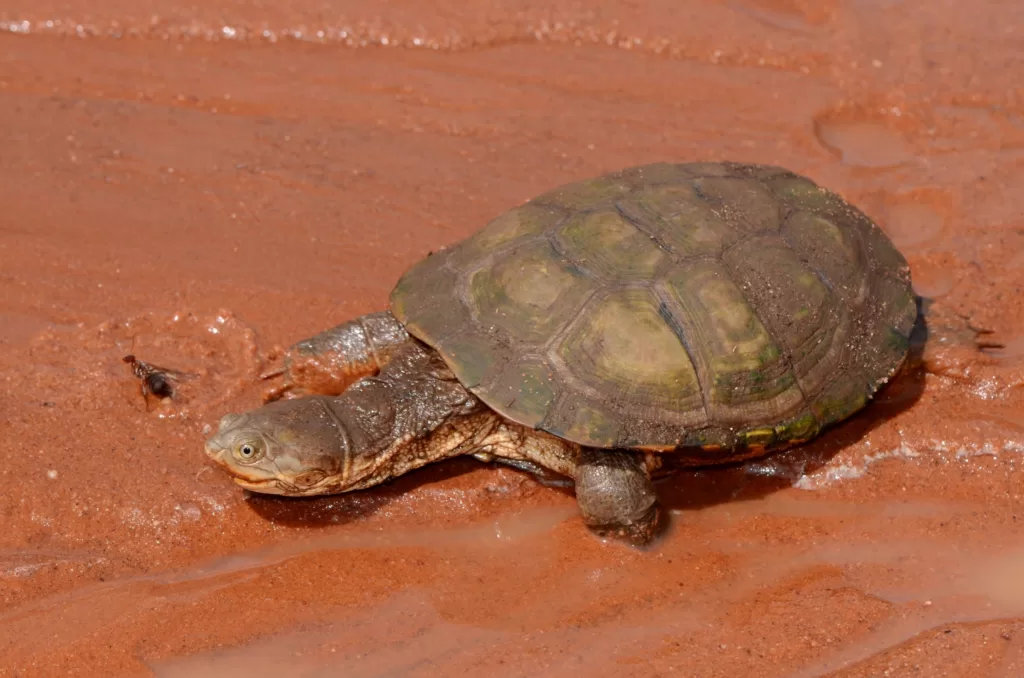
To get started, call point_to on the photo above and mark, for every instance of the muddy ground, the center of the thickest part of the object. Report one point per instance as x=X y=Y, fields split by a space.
x=198 y=185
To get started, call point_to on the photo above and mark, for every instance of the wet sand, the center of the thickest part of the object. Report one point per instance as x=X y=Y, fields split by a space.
x=198 y=186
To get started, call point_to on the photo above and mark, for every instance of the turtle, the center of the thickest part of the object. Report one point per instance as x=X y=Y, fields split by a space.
x=703 y=312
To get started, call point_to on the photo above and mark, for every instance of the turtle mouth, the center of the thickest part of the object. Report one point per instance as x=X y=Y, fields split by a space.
x=308 y=485
x=264 y=486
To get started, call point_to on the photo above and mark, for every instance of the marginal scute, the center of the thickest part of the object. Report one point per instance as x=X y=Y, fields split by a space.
x=889 y=338
x=529 y=294
x=762 y=172
x=887 y=259
x=758 y=437
x=607 y=245
x=841 y=398
x=710 y=169
x=798 y=429
x=903 y=307
x=527 y=388
x=584 y=422
x=715 y=442
x=474 y=356
x=422 y=293
x=721 y=309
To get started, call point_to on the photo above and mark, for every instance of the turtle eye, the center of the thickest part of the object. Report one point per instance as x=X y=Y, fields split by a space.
x=249 y=451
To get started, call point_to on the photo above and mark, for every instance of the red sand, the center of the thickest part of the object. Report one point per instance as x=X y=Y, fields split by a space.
x=195 y=186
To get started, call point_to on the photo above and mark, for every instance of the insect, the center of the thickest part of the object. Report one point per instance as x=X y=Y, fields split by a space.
x=155 y=380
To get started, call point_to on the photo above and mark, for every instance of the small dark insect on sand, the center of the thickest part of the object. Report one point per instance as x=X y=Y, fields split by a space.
x=155 y=381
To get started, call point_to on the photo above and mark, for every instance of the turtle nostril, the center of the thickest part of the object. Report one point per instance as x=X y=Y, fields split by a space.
x=213 y=449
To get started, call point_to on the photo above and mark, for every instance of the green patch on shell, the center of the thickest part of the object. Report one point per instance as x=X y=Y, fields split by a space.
x=624 y=348
x=678 y=217
x=530 y=293
x=720 y=324
x=608 y=245
x=758 y=437
x=789 y=297
x=800 y=428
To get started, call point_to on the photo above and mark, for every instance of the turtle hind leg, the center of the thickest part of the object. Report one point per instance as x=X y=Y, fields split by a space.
x=326 y=364
x=616 y=496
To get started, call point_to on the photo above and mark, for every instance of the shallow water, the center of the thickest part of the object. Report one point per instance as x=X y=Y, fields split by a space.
x=197 y=185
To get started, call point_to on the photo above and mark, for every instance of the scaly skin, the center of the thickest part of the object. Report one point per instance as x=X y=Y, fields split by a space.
x=329 y=362
x=412 y=413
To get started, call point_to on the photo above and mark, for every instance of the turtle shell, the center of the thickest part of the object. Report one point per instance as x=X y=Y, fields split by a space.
x=723 y=306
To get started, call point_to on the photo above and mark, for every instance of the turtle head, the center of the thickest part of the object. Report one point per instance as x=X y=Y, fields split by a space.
x=290 y=447
x=378 y=429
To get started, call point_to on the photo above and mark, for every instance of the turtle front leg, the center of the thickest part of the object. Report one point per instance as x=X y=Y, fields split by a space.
x=616 y=496
x=329 y=362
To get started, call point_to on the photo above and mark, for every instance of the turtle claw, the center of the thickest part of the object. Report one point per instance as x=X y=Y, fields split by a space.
x=279 y=372
x=282 y=390
x=288 y=389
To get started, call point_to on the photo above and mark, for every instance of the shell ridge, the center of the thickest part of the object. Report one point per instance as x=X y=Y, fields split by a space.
x=640 y=226
x=668 y=310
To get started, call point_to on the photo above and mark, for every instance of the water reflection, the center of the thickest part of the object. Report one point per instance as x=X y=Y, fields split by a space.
x=913 y=587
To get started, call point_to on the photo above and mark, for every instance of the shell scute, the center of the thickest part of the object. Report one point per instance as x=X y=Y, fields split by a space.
x=528 y=389
x=623 y=349
x=606 y=244
x=744 y=374
x=529 y=294
x=679 y=218
x=514 y=225
x=746 y=205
